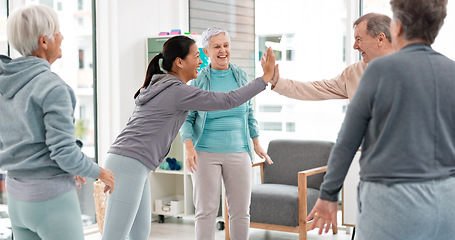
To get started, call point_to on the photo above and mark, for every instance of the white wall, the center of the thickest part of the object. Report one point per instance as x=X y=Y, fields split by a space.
x=122 y=29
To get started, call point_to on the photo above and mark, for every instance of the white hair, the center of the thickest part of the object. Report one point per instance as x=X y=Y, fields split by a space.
x=26 y=25
x=211 y=32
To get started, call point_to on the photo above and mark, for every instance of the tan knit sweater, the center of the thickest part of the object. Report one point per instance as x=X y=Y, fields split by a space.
x=342 y=86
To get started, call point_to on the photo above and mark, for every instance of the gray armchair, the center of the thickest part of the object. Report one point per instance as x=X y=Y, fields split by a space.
x=290 y=186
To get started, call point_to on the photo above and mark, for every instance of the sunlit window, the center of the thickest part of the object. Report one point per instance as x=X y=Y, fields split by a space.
x=283 y=46
x=270 y=108
x=5 y=226
x=290 y=127
x=3 y=17
x=270 y=126
x=444 y=40
x=309 y=43
x=75 y=66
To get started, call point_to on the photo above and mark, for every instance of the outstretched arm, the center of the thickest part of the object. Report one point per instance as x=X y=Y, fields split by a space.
x=192 y=98
x=342 y=86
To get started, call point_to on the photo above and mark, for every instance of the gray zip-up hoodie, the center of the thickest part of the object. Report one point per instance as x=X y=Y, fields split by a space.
x=161 y=110
x=37 y=123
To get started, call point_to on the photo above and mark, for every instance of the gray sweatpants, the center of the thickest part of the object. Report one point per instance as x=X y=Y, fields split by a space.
x=235 y=169
x=417 y=211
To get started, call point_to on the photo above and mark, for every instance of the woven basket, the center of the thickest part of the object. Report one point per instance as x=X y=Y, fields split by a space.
x=100 y=203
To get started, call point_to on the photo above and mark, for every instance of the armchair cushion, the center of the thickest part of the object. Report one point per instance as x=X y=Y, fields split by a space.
x=278 y=204
x=292 y=156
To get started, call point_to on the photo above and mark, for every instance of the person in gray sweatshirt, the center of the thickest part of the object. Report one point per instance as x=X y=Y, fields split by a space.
x=403 y=115
x=37 y=144
x=162 y=105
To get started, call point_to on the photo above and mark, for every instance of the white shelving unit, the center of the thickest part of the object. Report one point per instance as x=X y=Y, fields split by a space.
x=165 y=183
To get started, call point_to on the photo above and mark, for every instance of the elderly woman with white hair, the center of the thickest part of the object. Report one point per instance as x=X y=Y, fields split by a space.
x=218 y=144
x=37 y=144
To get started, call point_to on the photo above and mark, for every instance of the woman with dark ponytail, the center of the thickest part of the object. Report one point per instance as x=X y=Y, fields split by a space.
x=162 y=105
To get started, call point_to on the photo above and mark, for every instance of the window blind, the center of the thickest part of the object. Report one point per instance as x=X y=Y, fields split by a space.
x=237 y=17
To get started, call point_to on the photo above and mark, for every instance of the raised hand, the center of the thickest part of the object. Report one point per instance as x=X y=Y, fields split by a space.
x=276 y=76
x=268 y=65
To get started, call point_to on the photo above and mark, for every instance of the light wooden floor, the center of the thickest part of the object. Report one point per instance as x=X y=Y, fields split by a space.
x=183 y=229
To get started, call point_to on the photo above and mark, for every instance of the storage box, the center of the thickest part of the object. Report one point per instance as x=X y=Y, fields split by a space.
x=171 y=205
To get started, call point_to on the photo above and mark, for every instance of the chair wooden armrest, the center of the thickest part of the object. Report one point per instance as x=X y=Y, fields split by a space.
x=255 y=164
x=314 y=171
x=302 y=181
x=261 y=165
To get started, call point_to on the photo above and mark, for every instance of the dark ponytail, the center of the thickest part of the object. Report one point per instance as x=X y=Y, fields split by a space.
x=152 y=68
x=178 y=46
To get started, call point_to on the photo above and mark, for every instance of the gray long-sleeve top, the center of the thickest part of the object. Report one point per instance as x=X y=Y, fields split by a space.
x=404 y=112
x=161 y=110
